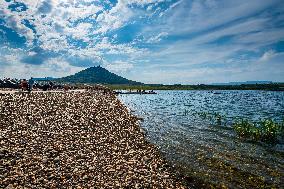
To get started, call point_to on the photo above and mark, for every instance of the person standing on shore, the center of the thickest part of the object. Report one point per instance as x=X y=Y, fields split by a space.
x=31 y=84
x=24 y=85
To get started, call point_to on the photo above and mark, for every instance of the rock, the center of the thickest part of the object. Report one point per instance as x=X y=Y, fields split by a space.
x=44 y=160
x=92 y=168
x=75 y=170
x=76 y=139
x=56 y=160
x=10 y=186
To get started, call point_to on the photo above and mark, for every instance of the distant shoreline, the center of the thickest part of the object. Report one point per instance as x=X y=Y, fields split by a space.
x=265 y=87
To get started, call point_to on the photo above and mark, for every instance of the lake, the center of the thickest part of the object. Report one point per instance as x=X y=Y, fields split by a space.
x=182 y=124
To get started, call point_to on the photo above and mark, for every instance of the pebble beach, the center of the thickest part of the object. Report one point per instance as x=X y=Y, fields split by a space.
x=76 y=139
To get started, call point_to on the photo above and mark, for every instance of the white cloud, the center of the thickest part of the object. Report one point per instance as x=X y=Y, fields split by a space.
x=157 y=38
x=267 y=56
x=14 y=21
x=81 y=31
x=209 y=14
x=32 y=53
x=59 y=67
x=55 y=67
x=119 y=66
x=271 y=58
x=107 y=48
x=264 y=37
x=79 y=12
x=192 y=29
x=114 y=18
x=55 y=22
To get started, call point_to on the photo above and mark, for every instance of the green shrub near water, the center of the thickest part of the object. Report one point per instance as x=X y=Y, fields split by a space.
x=266 y=131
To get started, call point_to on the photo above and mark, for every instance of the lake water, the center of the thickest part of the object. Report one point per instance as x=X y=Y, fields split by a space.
x=183 y=126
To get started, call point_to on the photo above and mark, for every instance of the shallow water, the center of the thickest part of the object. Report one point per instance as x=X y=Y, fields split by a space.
x=183 y=125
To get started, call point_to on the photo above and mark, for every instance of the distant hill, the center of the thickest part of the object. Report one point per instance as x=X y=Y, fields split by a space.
x=244 y=83
x=95 y=75
x=44 y=78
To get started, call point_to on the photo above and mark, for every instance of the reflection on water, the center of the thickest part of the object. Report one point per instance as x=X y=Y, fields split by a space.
x=208 y=153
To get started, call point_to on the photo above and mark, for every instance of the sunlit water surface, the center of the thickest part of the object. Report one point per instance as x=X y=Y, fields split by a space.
x=208 y=153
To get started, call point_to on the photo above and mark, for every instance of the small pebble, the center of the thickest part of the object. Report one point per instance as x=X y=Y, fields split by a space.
x=85 y=139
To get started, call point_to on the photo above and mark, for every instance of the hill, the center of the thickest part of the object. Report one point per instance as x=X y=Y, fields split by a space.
x=95 y=75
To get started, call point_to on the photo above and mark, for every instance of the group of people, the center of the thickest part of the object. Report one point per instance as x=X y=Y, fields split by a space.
x=8 y=83
x=28 y=85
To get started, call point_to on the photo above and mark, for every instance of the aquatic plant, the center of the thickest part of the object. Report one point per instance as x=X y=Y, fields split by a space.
x=218 y=118
x=266 y=131
x=215 y=118
x=271 y=130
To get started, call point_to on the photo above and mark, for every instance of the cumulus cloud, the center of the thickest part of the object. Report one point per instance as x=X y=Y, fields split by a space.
x=45 y=7
x=80 y=32
x=169 y=37
x=54 y=21
x=12 y=64
x=119 y=66
x=60 y=66
x=115 y=18
x=14 y=21
x=37 y=56
x=157 y=38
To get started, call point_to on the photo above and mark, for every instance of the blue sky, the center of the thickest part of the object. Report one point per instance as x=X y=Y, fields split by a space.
x=152 y=41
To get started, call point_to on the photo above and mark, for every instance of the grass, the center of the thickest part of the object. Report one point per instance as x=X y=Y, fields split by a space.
x=267 y=130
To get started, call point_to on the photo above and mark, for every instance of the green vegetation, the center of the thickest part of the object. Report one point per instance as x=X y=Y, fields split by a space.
x=265 y=131
x=215 y=118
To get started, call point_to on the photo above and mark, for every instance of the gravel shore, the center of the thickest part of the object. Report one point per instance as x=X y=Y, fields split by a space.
x=75 y=140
